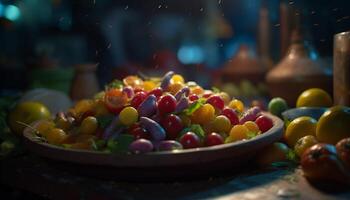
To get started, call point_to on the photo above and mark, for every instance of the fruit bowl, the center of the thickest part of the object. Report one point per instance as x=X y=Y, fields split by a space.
x=314 y=112
x=176 y=164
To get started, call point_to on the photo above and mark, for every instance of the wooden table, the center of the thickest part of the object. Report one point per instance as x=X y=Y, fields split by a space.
x=35 y=175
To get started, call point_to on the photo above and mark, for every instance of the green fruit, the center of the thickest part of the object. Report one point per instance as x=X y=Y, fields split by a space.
x=277 y=106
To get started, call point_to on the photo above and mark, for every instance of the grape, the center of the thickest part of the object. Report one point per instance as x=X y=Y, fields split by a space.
x=221 y=124
x=128 y=116
x=166 y=104
x=231 y=115
x=88 y=125
x=185 y=91
x=138 y=132
x=214 y=139
x=236 y=104
x=138 y=99
x=216 y=101
x=156 y=92
x=148 y=107
x=157 y=132
x=128 y=91
x=172 y=125
x=264 y=123
x=250 y=115
x=182 y=105
x=193 y=97
x=141 y=146
x=189 y=140
x=169 y=145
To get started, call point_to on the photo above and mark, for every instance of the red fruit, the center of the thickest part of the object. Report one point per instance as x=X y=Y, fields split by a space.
x=343 y=150
x=189 y=140
x=136 y=90
x=166 y=104
x=216 y=101
x=115 y=100
x=231 y=115
x=172 y=125
x=207 y=94
x=156 y=92
x=214 y=139
x=138 y=132
x=193 y=97
x=138 y=99
x=264 y=123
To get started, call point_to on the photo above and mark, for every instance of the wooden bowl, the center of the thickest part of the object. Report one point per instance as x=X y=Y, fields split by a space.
x=158 y=165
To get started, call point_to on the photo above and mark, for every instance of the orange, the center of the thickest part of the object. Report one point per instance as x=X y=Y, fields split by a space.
x=299 y=128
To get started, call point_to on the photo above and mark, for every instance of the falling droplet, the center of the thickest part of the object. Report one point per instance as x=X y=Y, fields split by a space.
x=160 y=6
x=109 y=45
x=126 y=7
x=201 y=9
x=220 y=1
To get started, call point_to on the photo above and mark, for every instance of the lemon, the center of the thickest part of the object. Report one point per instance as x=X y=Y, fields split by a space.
x=314 y=97
x=26 y=112
x=334 y=125
x=299 y=128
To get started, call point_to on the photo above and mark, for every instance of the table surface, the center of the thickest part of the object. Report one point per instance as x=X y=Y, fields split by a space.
x=36 y=175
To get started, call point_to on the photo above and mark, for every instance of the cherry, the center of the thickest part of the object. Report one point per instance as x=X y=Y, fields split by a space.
x=138 y=99
x=216 y=101
x=138 y=132
x=214 y=139
x=189 y=140
x=193 y=97
x=166 y=104
x=207 y=94
x=264 y=123
x=156 y=92
x=172 y=125
x=231 y=115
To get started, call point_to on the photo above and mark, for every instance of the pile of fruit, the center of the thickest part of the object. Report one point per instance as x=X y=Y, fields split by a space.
x=154 y=114
x=322 y=146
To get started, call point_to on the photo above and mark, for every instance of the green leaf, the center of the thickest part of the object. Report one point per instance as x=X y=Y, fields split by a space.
x=121 y=144
x=195 y=106
x=251 y=135
x=104 y=121
x=198 y=130
x=115 y=84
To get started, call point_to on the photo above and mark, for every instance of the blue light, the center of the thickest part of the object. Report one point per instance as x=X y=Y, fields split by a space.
x=1 y=9
x=12 y=12
x=190 y=54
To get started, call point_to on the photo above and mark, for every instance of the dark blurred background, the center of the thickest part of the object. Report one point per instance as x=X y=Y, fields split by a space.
x=127 y=36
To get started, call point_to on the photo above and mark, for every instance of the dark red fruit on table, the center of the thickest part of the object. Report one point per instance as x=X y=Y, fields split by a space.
x=189 y=140
x=231 y=115
x=166 y=104
x=264 y=123
x=138 y=132
x=156 y=92
x=193 y=97
x=343 y=150
x=321 y=162
x=172 y=125
x=216 y=101
x=214 y=139
x=138 y=99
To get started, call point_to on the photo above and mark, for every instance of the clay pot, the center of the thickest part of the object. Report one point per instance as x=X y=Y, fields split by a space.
x=298 y=71
x=85 y=83
x=244 y=66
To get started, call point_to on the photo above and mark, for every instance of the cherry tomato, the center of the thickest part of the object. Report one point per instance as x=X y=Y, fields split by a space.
x=193 y=97
x=231 y=115
x=189 y=140
x=216 y=101
x=320 y=162
x=264 y=123
x=238 y=132
x=221 y=124
x=138 y=132
x=236 y=104
x=166 y=104
x=203 y=115
x=115 y=100
x=214 y=139
x=138 y=99
x=172 y=125
x=343 y=150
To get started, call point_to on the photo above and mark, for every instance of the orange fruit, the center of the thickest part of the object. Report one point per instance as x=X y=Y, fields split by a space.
x=299 y=128
x=314 y=97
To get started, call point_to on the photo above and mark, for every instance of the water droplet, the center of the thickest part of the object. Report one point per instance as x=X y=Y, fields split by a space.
x=313 y=12
x=315 y=24
x=160 y=6
x=109 y=45
x=201 y=9
x=291 y=2
x=276 y=25
x=220 y=1
x=288 y=192
x=126 y=7
x=221 y=45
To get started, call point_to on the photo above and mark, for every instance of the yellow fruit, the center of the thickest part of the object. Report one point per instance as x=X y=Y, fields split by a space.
x=304 y=143
x=225 y=97
x=177 y=78
x=221 y=124
x=148 y=85
x=175 y=87
x=238 y=132
x=236 y=104
x=252 y=126
x=314 y=97
x=198 y=90
x=334 y=125
x=44 y=126
x=27 y=112
x=299 y=128
x=203 y=115
x=56 y=136
x=89 y=125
